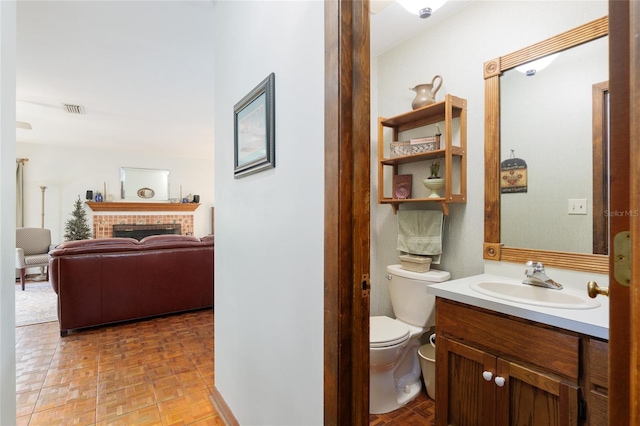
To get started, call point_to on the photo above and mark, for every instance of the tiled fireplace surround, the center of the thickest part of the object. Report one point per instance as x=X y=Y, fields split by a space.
x=103 y=223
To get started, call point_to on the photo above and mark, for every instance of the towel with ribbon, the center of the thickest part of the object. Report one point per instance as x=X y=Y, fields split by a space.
x=420 y=232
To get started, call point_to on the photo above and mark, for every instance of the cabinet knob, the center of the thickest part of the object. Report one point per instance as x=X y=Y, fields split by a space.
x=487 y=375
x=593 y=289
x=499 y=381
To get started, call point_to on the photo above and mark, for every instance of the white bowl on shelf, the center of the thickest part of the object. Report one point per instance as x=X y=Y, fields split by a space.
x=434 y=185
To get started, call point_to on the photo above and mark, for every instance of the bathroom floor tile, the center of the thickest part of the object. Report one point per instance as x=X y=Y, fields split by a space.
x=419 y=412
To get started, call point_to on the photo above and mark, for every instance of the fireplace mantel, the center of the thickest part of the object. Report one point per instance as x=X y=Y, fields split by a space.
x=107 y=206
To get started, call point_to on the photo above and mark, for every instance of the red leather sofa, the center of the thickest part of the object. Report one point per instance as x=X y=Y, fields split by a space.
x=109 y=280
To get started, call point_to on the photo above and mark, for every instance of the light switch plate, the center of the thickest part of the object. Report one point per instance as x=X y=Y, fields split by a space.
x=577 y=206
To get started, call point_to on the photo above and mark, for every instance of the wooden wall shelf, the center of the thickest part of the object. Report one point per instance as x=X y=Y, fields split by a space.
x=448 y=109
x=140 y=207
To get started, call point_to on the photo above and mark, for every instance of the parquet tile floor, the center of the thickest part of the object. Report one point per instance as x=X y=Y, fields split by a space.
x=153 y=372
x=419 y=412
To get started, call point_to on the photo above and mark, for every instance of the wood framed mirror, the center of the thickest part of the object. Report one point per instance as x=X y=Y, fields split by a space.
x=494 y=247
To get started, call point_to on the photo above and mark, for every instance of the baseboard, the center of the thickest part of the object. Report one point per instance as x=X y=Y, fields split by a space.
x=223 y=409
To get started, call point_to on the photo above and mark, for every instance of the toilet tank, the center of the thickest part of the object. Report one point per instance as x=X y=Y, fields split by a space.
x=409 y=298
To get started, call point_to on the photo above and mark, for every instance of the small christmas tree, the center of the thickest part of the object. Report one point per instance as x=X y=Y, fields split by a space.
x=77 y=227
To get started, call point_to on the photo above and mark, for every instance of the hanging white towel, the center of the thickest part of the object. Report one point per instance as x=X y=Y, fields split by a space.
x=420 y=232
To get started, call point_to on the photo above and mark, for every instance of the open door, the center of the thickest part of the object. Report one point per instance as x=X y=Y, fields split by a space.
x=347 y=189
x=624 y=355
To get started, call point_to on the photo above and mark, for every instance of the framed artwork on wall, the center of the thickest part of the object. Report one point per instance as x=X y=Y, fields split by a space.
x=254 y=130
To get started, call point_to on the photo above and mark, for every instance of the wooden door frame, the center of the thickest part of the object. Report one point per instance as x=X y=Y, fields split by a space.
x=634 y=186
x=347 y=214
x=624 y=322
x=346 y=270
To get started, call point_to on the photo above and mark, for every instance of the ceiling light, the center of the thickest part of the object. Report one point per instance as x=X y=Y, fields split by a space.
x=422 y=8
x=531 y=68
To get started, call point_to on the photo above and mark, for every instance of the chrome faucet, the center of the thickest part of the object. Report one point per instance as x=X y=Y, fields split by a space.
x=536 y=276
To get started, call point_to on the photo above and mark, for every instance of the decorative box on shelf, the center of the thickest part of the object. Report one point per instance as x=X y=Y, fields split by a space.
x=400 y=148
x=419 y=145
x=415 y=146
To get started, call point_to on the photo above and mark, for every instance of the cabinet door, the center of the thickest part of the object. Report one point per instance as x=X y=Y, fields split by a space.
x=599 y=382
x=464 y=397
x=531 y=398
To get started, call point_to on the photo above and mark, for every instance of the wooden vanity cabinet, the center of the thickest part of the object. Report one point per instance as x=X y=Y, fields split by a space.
x=597 y=384
x=493 y=369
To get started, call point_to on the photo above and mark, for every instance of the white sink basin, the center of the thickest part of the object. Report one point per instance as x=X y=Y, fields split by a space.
x=539 y=296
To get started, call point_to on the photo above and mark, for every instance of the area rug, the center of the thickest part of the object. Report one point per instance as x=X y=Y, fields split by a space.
x=38 y=303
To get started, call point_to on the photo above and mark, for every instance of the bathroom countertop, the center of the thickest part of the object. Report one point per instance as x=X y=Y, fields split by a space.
x=592 y=322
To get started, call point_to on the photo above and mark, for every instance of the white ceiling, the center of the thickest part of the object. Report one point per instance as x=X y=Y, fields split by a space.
x=391 y=24
x=143 y=71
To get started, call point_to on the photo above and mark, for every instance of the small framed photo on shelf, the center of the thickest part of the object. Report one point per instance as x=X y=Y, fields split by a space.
x=254 y=130
x=402 y=187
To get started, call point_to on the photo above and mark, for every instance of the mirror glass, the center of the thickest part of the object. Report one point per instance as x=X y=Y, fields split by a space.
x=546 y=120
x=546 y=174
x=138 y=184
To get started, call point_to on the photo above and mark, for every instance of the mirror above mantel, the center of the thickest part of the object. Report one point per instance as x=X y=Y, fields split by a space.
x=138 y=184
x=509 y=216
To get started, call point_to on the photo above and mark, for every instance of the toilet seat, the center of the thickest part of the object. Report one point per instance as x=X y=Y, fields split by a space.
x=385 y=332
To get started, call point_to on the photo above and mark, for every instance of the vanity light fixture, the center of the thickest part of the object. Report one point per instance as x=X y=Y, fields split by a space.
x=531 y=68
x=422 y=8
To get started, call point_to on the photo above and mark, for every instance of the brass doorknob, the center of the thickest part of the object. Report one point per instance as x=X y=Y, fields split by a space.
x=593 y=290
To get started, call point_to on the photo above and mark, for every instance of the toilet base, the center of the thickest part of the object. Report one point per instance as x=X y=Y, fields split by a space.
x=386 y=402
x=387 y=391
x=408 y=393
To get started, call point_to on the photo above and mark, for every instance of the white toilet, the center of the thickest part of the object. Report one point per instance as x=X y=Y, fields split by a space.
x=394 y=370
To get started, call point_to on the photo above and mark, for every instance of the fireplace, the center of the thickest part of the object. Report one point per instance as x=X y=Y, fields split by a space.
x=140 y=231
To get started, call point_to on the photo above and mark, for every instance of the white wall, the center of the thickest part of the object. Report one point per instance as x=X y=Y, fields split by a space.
x=7 y=211
x=68 y=172
x=270 y=226
x=456 y=49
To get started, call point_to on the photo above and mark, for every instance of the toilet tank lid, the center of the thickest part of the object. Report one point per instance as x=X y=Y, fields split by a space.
x=432 y=275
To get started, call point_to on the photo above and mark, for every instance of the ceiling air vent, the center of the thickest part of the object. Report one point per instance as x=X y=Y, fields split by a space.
x=73 y=109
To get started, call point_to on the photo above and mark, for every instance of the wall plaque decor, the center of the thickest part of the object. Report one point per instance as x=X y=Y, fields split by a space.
x=513 y=175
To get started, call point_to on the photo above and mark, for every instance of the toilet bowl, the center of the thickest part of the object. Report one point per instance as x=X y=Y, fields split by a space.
x=394 y=366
